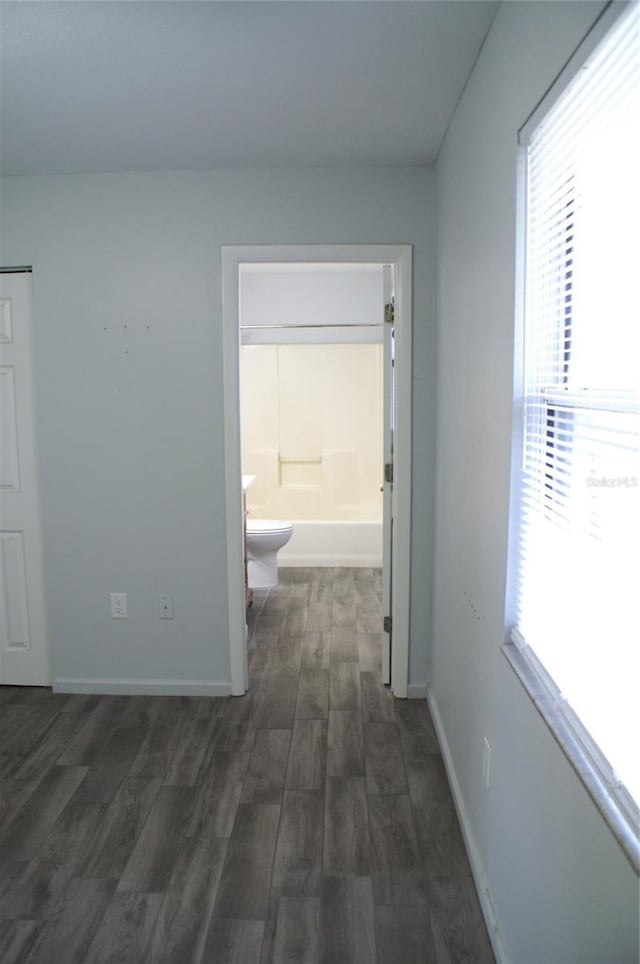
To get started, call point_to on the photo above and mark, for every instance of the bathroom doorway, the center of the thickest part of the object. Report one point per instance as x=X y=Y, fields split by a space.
x=382 y=328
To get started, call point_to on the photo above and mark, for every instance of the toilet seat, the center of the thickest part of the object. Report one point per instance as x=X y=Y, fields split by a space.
x=267 y=525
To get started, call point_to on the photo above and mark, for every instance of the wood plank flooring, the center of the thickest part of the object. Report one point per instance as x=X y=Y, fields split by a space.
x=308 y=821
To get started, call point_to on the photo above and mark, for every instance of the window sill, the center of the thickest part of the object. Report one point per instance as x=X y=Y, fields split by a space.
x=618 y=810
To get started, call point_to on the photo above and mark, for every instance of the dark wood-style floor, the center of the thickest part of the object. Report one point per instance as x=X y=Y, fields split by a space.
x=309 y=821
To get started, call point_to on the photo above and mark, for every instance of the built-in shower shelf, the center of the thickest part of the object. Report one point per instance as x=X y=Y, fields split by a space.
x=300 y=473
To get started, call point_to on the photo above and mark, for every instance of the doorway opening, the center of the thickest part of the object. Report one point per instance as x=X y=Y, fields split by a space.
x=391 y=264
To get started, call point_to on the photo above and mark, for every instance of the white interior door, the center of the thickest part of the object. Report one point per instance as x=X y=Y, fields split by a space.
x=387 y=498
x=24 y=656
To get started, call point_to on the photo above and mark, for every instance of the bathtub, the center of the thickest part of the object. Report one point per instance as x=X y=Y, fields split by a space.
x=342 y=543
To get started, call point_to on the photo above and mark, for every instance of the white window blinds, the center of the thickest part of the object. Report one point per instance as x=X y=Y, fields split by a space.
x=579 y=528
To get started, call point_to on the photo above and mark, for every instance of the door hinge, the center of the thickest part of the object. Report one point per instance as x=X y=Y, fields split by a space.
x=386 y=624
x=390 y=313
x=388 y=472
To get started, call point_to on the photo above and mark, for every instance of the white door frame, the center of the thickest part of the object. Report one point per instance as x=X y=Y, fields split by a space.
x=388 y=429
x=399 y=255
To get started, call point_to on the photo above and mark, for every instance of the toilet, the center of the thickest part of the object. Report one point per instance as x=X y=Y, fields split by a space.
x=265 y=537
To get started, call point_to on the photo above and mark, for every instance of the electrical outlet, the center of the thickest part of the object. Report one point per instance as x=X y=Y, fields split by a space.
x=165 y=606
x=486 y=763
x=118 y=605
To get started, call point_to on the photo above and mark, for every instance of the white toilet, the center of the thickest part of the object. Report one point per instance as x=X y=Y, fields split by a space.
x=265 y=537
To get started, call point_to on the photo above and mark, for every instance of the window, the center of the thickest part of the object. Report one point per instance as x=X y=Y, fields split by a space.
x=577 y=482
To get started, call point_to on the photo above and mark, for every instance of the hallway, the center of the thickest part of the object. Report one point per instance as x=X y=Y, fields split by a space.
x=307 y=821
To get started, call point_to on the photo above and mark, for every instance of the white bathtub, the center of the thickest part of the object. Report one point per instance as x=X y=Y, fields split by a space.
x=325 y=543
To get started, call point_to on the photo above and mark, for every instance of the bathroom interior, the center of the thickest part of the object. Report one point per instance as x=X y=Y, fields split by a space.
x=311 y=415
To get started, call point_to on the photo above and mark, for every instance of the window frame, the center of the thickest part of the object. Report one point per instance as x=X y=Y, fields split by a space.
x=613 y=800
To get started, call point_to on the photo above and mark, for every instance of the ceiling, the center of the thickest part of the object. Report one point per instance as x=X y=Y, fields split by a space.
x=142 y=85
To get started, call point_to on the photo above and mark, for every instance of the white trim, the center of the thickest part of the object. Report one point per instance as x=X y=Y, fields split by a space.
x=388 y=395
x=236 y=626
x=473 y=852
x=401 y=489
x=143 y=687
x=614 y=802
x=400 y=255
x=417 y=691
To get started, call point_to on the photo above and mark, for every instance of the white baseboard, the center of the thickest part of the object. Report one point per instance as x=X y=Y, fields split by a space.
x=477 y=867
x=417 y=691
x=142 y=687
x=302 y=561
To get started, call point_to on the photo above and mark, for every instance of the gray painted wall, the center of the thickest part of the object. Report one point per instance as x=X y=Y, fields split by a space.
x=561 y=887
x=127 y=316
